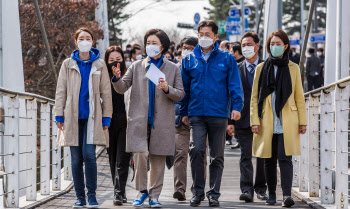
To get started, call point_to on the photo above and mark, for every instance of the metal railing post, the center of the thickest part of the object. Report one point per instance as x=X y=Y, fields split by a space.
x=326 y=146
x=12 y=161
x=67 y=164
x=341 y=139
x=313 y=115
x=56 y=158
x=296 y=168
x=304 y=158
x=45 y=149
x=32 y=112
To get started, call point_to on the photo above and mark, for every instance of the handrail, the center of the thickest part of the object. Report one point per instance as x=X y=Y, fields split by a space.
x=342 y=83
x=25 y=95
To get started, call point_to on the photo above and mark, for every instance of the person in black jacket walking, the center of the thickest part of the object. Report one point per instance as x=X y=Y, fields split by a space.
x=118 y=158
x=250 y=46
x=313 y=70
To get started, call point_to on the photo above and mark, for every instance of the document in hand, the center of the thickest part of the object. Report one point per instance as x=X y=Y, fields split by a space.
x=154 y=74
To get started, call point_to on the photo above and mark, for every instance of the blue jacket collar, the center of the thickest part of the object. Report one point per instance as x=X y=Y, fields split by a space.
x=198 y=51
x=94 y=55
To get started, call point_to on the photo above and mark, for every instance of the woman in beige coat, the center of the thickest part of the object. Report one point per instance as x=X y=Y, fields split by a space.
x=83 y=112
x=278 y=115
x=151 y=126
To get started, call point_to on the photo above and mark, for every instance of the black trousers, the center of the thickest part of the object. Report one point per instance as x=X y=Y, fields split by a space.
x=313 y=82
x=245 y=136
x=118 y=158
x=213 y=128
x=286 y=167
x=228 y=137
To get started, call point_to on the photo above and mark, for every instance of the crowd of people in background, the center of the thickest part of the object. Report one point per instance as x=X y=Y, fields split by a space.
x=313 y=77
x=212 y=91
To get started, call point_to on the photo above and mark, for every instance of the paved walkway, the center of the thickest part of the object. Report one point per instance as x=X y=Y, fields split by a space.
x=229 y=189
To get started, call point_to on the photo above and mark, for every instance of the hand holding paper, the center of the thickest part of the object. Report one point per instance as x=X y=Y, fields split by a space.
x=163 y=85
x=154 y=74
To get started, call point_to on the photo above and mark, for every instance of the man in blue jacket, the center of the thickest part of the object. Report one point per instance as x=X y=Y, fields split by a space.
x=212 y=84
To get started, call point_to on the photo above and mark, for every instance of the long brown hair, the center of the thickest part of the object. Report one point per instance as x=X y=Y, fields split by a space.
x=108 y=52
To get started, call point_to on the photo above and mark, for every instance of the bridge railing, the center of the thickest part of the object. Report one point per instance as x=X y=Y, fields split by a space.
x=322 y=170
x=32 y=165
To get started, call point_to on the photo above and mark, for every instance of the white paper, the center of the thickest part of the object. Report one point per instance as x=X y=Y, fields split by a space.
x=154 y=74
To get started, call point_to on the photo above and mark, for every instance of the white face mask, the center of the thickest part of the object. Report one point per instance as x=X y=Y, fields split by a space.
x=319 y=54
x=294 y=53
x=248 y=51
x=185 y=53
x=84 y=46
x=139 y=57
x=128 y=64
x=152 y=50
x=205 y=42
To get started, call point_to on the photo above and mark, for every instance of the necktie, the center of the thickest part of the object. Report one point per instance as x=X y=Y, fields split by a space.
x=251 y=68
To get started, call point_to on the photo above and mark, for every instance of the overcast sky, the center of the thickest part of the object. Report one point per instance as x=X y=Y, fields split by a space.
x=163 y=15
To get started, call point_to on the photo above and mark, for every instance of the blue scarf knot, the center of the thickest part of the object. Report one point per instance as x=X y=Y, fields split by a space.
x=152 y=91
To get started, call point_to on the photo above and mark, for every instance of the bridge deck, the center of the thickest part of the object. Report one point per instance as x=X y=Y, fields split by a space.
x=229 y=189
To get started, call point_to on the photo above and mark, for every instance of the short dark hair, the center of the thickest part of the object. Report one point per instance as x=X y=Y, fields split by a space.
x=236 y=46
x=133 y=50
x=228 y=45
x=320 y=50
x=190 y=40
x=178 y=52
x=311 y=50
x=282 y=35
x=209 y=23
x=163 y=37
x=172 y=48
x=252 y=35
x=178 y=46
x=171 y=54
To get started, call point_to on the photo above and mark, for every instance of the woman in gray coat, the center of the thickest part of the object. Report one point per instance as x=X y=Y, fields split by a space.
x=151 y=126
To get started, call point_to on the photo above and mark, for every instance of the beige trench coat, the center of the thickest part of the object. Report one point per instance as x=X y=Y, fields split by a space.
x=162 y=141
x=67 y=103
x=293 y=115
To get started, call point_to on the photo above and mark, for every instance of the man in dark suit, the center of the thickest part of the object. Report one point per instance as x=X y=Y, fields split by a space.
x=294 y=56
x=313 y=70
x=236 y=51
x=250 y=47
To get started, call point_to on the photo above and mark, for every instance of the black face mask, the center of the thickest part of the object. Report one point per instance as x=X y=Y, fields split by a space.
x=115 y=64
x=110 y=65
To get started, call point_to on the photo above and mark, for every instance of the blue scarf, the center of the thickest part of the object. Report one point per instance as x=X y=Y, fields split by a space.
x=152 y=91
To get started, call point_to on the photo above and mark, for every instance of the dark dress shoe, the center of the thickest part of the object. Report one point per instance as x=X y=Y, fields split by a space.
x=287 y=201
x=118 y=199
x=236 y=146
x=272 y=200
x=125 y=200
x=179 y=195
x=213 y=202
x=247 y=197
x=262 y=196
x=196 y=200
